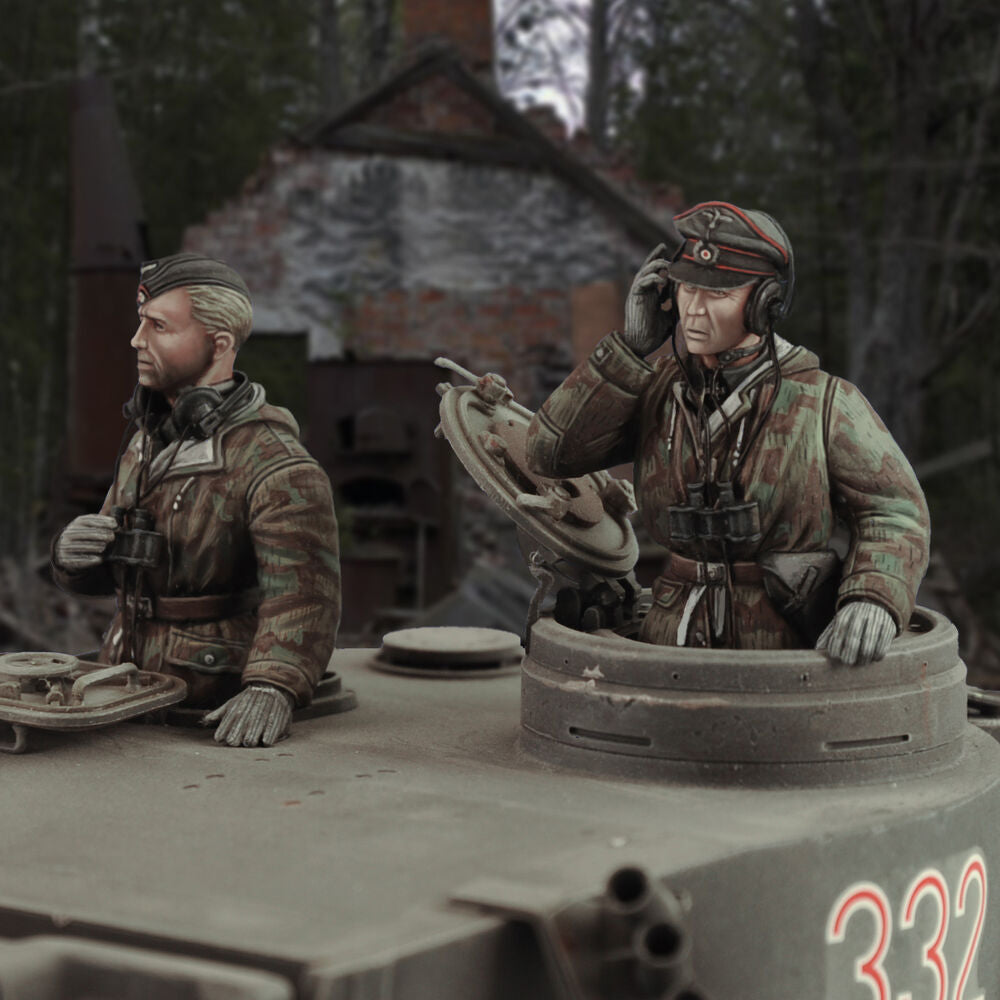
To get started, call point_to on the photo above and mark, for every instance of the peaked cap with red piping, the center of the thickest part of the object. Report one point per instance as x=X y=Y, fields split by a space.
x=729 y=247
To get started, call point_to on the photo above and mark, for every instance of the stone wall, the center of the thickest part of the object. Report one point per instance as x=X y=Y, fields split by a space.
x=401 y=257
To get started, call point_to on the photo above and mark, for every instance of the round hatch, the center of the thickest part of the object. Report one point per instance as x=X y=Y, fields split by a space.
x=448 y=651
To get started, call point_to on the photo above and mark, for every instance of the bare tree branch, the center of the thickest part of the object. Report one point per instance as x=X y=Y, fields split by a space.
x=760 y=25
x=966 y=180
x=836 y=125
x=568 y=91
x=950 y=346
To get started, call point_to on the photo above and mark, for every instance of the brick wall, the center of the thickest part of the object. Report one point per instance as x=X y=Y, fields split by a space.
x=506 y=330
x=466 y=23
x=407 y=257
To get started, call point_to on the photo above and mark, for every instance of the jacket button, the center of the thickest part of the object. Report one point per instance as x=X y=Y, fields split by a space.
x=209 y=659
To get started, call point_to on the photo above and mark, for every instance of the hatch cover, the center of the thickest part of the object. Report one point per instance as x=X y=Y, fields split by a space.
x=449 y=651
x=581 y=521
x=57 y=691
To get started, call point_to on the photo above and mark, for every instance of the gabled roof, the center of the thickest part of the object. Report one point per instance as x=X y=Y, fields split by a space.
x=516 y=141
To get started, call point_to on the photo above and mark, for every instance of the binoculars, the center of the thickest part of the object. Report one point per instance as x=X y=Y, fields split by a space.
x=136 y=544
x=725 y=521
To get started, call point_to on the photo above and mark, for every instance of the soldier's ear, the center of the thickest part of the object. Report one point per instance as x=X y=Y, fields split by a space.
x=222 y=341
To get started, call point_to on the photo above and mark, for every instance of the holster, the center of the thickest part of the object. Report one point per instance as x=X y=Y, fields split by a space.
x=803 y=588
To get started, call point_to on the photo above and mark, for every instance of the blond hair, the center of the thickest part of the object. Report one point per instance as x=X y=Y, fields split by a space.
x=220 y=308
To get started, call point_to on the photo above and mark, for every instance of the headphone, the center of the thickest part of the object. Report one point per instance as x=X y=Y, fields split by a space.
x=198 y=412
x=771 y=299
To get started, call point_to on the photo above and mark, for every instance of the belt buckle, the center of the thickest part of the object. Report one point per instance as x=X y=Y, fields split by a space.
x=145 y=607
x=710 y=572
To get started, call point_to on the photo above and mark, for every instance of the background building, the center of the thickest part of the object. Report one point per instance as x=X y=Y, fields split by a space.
x=429 y=217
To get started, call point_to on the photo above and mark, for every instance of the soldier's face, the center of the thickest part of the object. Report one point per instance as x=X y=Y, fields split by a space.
x=173 y=349
x=711 y=320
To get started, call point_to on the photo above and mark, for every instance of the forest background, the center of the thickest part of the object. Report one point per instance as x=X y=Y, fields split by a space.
x=869 y=128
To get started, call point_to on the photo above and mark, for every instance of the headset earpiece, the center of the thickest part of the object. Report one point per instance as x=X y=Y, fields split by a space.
x=764 y=307
x=771 y=300
x=191 y=408
x=197 y=412
x=200 y=410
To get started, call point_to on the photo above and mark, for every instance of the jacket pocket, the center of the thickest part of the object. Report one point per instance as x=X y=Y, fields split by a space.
x=667 y=594
x=206 y=651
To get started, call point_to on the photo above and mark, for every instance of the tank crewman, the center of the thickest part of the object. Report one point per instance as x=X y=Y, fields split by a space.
x=218 y=534
x=747 y=455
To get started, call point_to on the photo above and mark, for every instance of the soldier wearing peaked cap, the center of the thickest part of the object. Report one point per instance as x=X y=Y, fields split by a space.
x=747 y=455
x=218 y=534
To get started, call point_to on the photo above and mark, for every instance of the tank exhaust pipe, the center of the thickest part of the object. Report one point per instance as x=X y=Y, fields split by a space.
x=632 y=941
x=645 y=941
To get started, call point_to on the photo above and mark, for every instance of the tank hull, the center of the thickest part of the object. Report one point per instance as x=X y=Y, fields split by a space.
x=418 y=848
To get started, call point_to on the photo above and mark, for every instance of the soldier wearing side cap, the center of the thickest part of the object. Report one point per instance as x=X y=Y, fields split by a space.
x=747 y=455
x=218 y=534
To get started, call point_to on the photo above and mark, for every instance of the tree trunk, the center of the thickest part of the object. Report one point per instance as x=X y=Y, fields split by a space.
x=378 y=27
x=599 y=75
x=887 y=359
x=88 y=31
x=331 y=74
x=893 y=212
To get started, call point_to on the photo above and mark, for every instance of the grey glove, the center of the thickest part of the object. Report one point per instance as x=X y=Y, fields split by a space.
x=859 y=633
x=82 y=543
x=646 y=322
x=259 y=715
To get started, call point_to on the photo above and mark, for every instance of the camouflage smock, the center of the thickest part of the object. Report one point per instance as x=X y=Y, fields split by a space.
x=822 y=454
x=249 y=513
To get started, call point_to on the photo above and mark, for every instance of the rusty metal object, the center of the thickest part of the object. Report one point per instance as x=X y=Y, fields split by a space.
x=108 y=244
x=583 y=522
x=371 y=430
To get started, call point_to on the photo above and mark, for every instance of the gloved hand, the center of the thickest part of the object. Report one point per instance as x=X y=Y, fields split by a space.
x=646 y=323
x=859 y=633
x=259 y=715
x=83 y=541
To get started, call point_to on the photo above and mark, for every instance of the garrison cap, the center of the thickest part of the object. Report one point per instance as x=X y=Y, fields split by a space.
x=182 y=269
x=729 y=247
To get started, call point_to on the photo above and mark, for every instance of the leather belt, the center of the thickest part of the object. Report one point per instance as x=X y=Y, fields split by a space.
x=208 y=607
x=682 y=570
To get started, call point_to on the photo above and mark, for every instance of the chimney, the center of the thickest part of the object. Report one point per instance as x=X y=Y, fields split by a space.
x=108 y=245
x=467 y=24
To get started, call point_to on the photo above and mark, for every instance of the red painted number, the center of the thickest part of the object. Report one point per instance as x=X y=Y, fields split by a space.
x=974 y=871
x=868 y=969
x=931 y=883
x=929 y=891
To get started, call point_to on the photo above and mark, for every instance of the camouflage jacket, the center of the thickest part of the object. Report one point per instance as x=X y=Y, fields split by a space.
x=821 y=454
x=246 y=513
